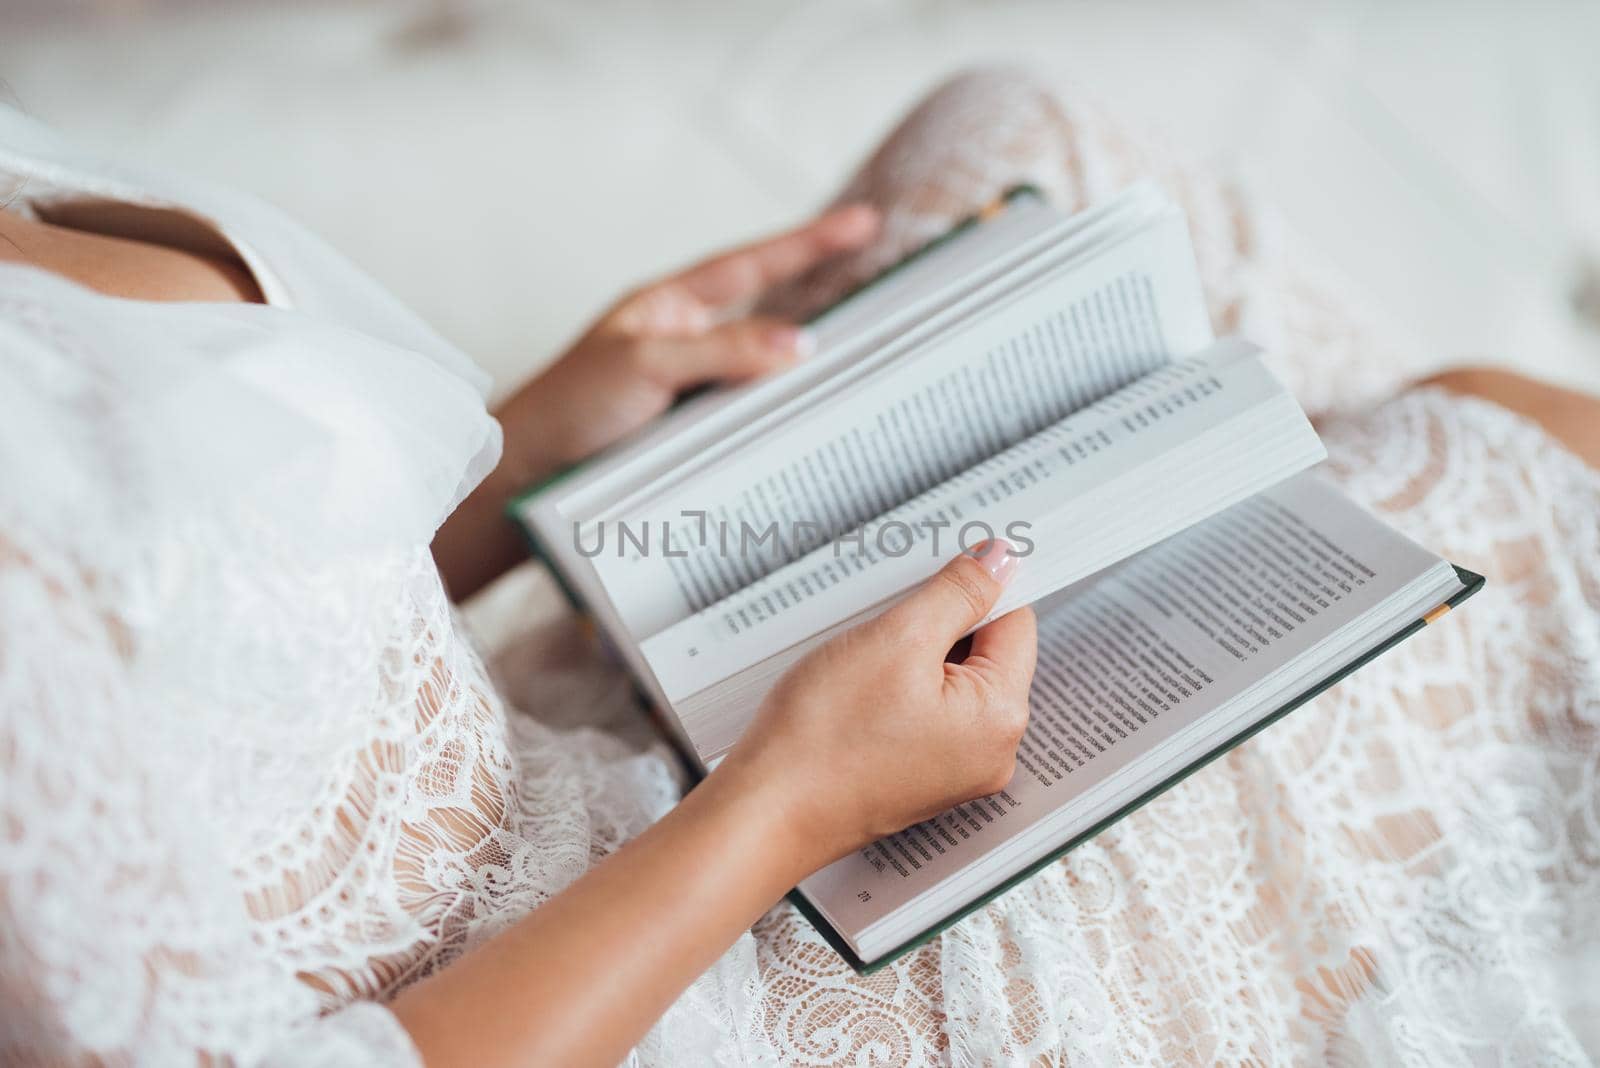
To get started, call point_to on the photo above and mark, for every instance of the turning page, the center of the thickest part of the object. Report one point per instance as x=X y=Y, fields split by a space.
x=1098 y=486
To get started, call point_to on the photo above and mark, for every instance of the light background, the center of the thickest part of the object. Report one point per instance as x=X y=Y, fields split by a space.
x=509 y=165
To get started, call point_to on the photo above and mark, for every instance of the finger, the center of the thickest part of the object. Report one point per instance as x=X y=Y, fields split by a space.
x=735 y=351
x=957 y=598
x=745 y=272
x=1004 y=653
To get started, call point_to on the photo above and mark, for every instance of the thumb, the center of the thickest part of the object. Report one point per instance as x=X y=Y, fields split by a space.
x=957 y=598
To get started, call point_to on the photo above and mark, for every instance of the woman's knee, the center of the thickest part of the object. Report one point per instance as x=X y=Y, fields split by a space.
x=1571 y=417
x=1005 y=109
x=972 y=136
x=961 y=90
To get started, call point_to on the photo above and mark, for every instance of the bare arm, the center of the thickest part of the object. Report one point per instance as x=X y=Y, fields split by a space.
x=868 y=735
x=582 y=978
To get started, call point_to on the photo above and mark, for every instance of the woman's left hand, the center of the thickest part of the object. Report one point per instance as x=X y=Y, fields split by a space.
x=655 y=343
x=669 y=337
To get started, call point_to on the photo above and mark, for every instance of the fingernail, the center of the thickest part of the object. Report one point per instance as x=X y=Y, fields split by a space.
x=998 y=558
x=863 y=216
x=784 y=339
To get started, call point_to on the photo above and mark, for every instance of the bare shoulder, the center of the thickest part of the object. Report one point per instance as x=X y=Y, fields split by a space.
x=123 y=267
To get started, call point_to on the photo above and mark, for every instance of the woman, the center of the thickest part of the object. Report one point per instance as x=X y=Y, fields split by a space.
x=261 y=804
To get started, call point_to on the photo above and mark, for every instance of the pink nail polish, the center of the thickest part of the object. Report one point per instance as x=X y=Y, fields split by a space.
x=789 y=340
x=997 y=557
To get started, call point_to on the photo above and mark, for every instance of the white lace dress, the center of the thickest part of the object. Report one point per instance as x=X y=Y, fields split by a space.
x=254 y=778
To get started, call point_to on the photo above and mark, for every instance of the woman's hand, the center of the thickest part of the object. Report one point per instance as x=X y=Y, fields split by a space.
x=662 y=340
x=669 y=337
x=877 y=730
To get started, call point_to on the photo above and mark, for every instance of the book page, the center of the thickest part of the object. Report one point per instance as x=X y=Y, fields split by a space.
x=965 y=396
x=1018 y=493
x=1137 y=657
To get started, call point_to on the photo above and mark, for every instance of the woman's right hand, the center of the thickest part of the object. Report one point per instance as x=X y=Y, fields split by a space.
x=876 y=730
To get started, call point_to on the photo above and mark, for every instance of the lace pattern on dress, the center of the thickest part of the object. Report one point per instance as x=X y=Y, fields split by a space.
x=251 y=784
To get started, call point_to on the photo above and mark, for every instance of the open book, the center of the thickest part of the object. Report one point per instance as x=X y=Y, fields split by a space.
x=1051 y=380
